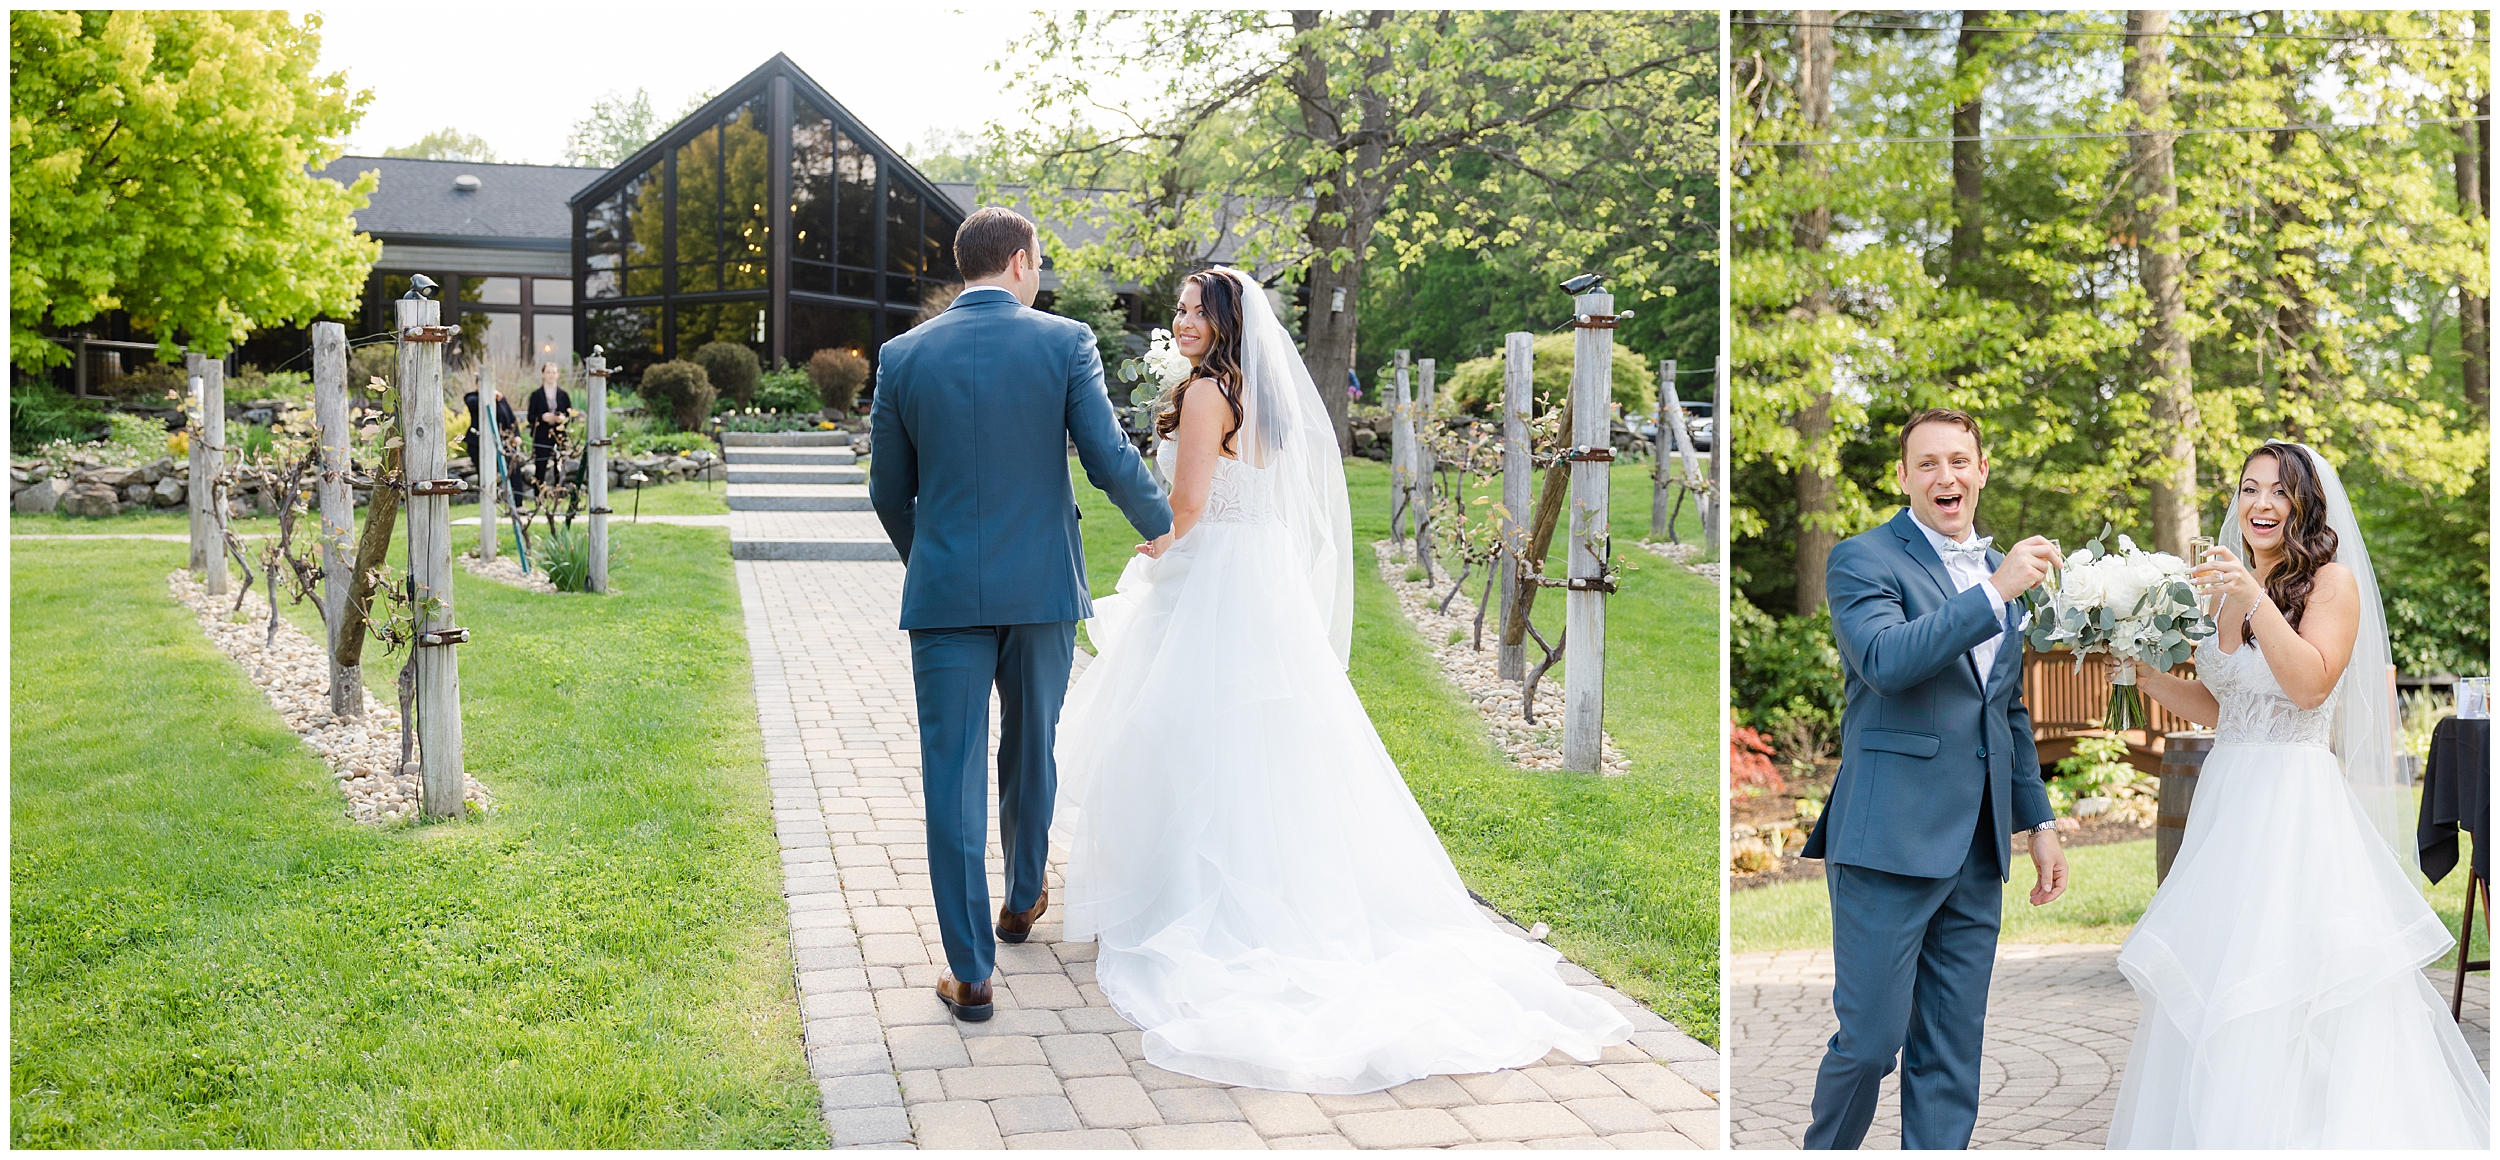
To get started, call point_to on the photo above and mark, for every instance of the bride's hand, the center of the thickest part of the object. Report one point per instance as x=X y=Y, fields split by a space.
x=2222 y=574
x=1154 y=549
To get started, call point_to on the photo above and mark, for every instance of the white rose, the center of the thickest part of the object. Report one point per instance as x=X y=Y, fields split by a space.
x=2126 y=547
x=2081 y=557
x=2082 y=587
x=2172 y=567
x=2127 y=581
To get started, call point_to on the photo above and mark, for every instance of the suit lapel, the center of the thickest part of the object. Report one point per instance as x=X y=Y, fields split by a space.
x=1914 y=541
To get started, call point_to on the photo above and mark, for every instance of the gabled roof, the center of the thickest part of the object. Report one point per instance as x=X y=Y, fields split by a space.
x=803 y=86
x=514 y=206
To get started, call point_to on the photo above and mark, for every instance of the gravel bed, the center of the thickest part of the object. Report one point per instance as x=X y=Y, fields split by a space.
x=507 y=569
x=1683 y=554
x=1537 y=746
x=363 y=754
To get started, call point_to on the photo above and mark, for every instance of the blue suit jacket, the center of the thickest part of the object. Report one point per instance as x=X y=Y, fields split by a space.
x=968 y=466
x=1922 y=733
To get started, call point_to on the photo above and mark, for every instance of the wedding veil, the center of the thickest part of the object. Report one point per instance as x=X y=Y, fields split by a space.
x=1285 y=430
x=2365 y=708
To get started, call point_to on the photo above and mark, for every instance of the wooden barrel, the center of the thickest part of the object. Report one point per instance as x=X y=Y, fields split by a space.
x=2182 y=758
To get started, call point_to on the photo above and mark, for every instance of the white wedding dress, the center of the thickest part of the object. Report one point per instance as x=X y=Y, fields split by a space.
x=1272 y=908
x=2280 y=965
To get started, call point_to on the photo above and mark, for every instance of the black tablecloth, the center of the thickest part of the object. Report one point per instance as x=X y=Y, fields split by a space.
x=2456 y=792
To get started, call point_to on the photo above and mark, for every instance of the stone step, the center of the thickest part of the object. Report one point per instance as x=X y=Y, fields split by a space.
x=785 y=439
x=796 y=549
x=798 y=497
x=816 y=456
x=790 y=473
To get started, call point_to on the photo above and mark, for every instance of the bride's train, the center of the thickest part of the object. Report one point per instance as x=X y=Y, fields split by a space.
x=1272 y=907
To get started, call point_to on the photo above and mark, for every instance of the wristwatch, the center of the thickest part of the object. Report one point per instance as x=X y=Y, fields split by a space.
x=2047 y=827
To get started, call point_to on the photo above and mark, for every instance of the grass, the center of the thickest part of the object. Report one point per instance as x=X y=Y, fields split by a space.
x=204 y=952
x=2111 y=886
x=1624 y=870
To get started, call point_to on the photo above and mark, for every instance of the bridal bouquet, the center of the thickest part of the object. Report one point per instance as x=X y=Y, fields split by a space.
x=1165 y=363
x=2129 y=604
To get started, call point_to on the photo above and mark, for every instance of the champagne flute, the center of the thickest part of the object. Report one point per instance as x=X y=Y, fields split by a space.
x=2200 y=547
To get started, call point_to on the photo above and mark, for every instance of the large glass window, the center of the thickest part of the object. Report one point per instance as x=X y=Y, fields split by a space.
x=491 y=291
x=746 y=219
x=702 y=322
x=937 y=248
x=855 y=202
x=622 y=234
x=630 y=336
x=552 y=338
x=551 y=292
x=494 y=337
x=815 y=327
x=811 y=186
x=902 y=231
x=698 y=212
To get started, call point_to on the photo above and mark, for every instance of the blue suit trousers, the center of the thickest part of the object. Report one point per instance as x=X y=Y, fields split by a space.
x=953 y=670
x=1911 y=960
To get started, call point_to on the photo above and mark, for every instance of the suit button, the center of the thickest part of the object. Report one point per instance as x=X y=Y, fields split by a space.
x=1983 y=751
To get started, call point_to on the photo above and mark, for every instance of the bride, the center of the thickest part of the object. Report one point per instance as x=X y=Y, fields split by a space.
x=1273 y=910
x=2280 y=966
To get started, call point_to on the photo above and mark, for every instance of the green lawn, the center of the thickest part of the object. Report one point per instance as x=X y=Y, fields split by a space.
x=1625 y=870
x=204 y=952
x=2110 y=887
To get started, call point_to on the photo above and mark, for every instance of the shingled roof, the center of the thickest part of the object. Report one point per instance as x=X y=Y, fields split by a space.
x=513 y=207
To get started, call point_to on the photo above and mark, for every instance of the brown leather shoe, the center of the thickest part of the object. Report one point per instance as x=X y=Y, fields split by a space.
x=969 y=1002
x=1014 y=925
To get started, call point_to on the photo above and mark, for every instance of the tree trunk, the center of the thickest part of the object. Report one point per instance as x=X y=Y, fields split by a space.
x=2474 y=310
x=2161 y=268
x=1344 y=209
x=374 y=547
x=2294 y=367
x=1817 y=509
x=1969 y=156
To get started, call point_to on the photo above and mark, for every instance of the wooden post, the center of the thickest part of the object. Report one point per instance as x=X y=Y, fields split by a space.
x=427 y=458
x=1401 y=455
x=208 y=460
x=489 y=463
x=1714 y=513
x=338 y=509
x=595 y=373
x=1425 y=461
x=1667 y=413
x=1518 y=468
x=1584 y=615
x=200 y=490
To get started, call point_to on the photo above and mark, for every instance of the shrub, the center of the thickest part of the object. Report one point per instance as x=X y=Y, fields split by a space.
x=1475 y=388
x=838 y=375
x=680 y=390
x=786 y=391
x=1087 y=298
x=1785 y=667
x=1749 y=768
x=40 y=413
x=565 y=553
x=733 y=369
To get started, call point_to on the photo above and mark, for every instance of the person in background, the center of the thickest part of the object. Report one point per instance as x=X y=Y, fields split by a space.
x=549 y=406
x=505 y=423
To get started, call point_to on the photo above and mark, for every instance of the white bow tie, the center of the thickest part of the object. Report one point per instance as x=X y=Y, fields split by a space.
x=1977 y=547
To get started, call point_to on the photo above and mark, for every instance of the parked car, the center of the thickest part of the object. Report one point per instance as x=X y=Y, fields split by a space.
x=1697 y=421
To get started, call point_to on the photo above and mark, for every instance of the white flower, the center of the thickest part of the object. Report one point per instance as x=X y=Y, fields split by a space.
x=2081 y=557
x=2130 y=576
x=2126 y=546
x=2082 y=586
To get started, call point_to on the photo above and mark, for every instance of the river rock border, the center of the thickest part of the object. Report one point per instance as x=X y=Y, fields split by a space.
x=363 y=754
x=506 y=570
x=1497 y=701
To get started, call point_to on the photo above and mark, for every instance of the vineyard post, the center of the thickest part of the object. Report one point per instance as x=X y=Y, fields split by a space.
x=1584 y=605
x=426 y=456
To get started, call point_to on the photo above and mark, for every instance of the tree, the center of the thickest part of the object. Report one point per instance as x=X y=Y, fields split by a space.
x=446 y=144
x=162 y=164
x=1084 y=296
x=2161 y=265
x=1298 y=138
x=1818 y=510
x=615 y=127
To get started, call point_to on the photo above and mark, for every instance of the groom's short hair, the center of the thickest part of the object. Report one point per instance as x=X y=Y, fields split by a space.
x=989 y=239
x=1957 y=418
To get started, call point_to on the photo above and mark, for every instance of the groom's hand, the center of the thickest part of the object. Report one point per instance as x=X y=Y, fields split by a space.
x=2026 y=564
x=2048 y=858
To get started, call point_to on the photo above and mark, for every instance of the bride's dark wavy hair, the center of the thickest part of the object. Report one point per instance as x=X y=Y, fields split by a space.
x=2308 y=543
x=1219 y=297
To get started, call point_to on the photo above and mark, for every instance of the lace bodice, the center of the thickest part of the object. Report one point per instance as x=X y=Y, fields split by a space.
x=1240 y=493
x=2254 y=709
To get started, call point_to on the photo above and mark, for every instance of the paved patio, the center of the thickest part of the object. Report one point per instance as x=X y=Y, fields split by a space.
x=1056 y=1067
x=2060 y=1019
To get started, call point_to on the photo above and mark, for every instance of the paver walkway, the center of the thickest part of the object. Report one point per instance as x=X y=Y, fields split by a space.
x=2060 y=1020
x=1056 y=1067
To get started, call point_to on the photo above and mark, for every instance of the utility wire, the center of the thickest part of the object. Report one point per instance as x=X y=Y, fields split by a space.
x=2114 y=134
x=2340 y=36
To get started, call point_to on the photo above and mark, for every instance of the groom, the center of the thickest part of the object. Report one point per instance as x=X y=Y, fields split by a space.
x=974 y=413
x=1937 y=768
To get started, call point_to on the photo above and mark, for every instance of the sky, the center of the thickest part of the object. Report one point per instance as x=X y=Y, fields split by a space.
x=519 y=74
